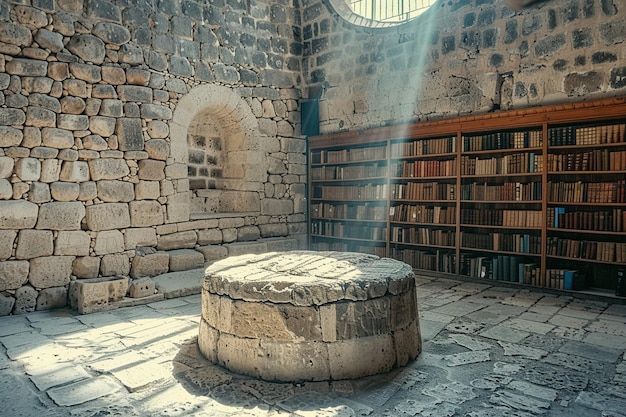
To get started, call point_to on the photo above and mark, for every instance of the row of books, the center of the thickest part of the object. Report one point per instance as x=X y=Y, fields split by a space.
x=509 y=191
x=588 y=135
x=435 y=168
x=515 y=242
x=354 y=231
x=422 y=214
x=351 y=192
x=564 y=279
x=423 y=147
x=349 y=211
x=500 y=217
x=438 y=260
x=349 y=155
x=585 y=249
x=519 y=163
x=504 y=268
x=609 y=220
x=587 y=192
x=350 y=172
x=422 y=236
x=423 y=191
x=596 y=160
x=503 y=140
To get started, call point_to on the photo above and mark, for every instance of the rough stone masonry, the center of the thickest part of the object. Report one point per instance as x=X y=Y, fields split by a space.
x=102 y=102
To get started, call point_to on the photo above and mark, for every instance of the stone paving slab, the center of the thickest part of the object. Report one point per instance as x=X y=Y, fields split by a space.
x=504 y=334
x=83 y=391
x=593 y=352
x=55 y=375
x=141 y=376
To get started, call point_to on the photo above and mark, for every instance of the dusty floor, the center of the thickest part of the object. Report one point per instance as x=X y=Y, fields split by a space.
x=488 y=351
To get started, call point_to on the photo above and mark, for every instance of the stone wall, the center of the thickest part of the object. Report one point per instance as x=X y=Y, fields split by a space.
x=460 y=57
x=97 y=99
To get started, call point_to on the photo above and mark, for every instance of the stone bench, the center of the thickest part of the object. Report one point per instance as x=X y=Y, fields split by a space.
x=309 y=316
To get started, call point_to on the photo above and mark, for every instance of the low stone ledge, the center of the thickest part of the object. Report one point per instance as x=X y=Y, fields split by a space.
x=92 y=295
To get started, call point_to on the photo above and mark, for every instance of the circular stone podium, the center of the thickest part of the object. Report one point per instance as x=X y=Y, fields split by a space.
x=309 y=316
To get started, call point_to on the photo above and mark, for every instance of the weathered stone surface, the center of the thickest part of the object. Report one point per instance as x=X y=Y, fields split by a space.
x=74 y=242
x=185 y=259
x=112 y=108
x=73 y=121
x=11 y=117
x=115 y=191
x=209 y=237
x=34 y=243
x=28 y=169
x=150 y=264
x=147 y=190
x=178 y=240
x=49 y=40
x=130 y=54
x=39 y=193
x=103 y=126
x=15 y=34
x=51 y=298
x=25 y=300
x=155 y=111
x=157 y=129
x=109 y=241
x=57 y=138
x=108 y=169
x=107 y=216
x=61 y=216
x=145 y=213
x=151 y=170
x=64 y=191
x=134 y=237
x=111 y=33
x=87 y=47
x=51 y=271
x=274 y=229
x=248 y=233
x=6 y=190
x=115 y=264
x=86 y=267
x=18 y=214
x=13 y=274
x=91 y=295
x=6 y=166
x=6 y=305
x=142 y=287
x=212 y=252
x=27 y=67
x=130 y=135
x=7 y=237
x=10 y=137
x=74 y=171
x=134 y=93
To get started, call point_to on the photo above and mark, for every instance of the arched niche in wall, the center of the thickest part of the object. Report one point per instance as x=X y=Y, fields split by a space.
x=216 y=135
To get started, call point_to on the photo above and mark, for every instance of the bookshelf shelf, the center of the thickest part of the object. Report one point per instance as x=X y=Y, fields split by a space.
x=465 y=248
x=441 y=156
x=501 y=202
x=538 y=149
x=594 y=261
x=485 y=226
x=429 y=225
x=422 y=245
x=486 y=189
x=491 y=176
x=585 y=231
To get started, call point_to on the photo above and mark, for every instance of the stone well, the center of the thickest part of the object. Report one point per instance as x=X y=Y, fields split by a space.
x=309 y=316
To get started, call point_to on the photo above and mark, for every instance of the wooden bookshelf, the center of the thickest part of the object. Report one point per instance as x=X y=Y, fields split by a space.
x=534 y=196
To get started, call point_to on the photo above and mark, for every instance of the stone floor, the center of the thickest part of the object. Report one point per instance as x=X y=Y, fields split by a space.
x=488 y=351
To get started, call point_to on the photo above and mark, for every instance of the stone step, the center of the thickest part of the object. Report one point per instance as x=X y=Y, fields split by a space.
x=180 y=283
